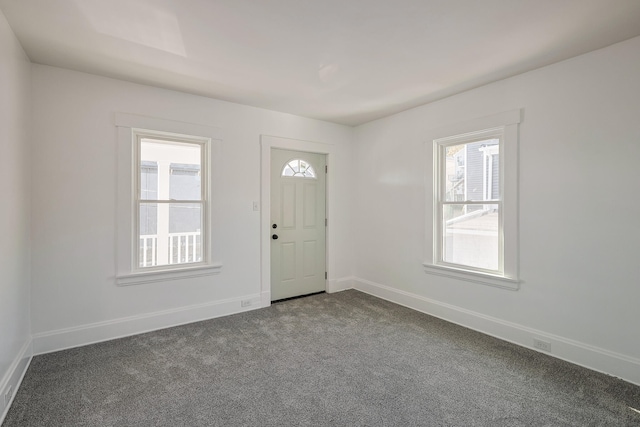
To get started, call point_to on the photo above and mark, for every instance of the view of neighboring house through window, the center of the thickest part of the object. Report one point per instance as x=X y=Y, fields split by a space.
x=469 y=202
x=171 y=202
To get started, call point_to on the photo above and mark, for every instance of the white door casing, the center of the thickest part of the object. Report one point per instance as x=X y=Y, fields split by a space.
x=298 y=260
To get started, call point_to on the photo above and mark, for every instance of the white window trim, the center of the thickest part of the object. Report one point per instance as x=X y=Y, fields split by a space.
x=128 y=127
x=507 y=123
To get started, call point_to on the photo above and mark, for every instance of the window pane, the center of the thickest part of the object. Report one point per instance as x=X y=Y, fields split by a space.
x=298 y=168
x=470 y=235
x=184 y=217
x=472 y=171
x=169 y=170
x=148 y=238
x=149 y=180
x=185 y=182
x=170 y=233
x=455 y=163
x=185 y=237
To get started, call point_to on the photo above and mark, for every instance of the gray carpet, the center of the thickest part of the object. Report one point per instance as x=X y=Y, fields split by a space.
x=345 y=359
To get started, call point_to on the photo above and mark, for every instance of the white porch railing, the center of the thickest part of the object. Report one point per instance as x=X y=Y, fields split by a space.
x=148 y=245
x=183 y=248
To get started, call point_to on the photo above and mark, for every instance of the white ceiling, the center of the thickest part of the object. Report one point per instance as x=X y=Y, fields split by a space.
x=345 y=61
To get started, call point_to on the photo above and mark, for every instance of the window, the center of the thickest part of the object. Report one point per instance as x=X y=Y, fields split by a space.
x=469 y=202
x=171 y=200
x=298 y=168
x=474 y=203
x=166 y=177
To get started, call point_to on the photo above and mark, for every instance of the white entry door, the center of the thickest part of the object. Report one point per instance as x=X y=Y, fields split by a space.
x=298 y=259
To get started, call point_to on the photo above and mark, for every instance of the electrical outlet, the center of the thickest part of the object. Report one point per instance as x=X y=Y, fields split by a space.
x=8 y=394
x=542 y=345
x=245 y=303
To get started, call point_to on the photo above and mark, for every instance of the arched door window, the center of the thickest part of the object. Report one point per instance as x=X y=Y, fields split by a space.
x=298 y=168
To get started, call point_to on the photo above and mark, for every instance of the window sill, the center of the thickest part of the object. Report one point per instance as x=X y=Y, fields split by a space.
x=472 y=276
x=165 y=275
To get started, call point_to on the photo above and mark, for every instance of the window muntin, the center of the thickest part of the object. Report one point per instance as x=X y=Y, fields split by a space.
x=468 y=229
x=170 y=201
x=298 y=168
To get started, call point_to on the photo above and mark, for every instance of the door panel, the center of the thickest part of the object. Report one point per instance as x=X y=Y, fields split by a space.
x=288 y=205
x=309 y=258
x=309 y=207
x=298 y=262
x=287 y=261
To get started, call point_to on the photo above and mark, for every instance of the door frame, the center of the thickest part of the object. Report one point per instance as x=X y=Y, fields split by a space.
x=267 y=142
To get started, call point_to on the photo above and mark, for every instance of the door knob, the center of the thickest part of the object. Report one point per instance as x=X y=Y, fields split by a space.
x=274 y=237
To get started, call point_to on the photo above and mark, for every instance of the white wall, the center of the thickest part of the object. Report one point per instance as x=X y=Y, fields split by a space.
x=74 y=197
x=579 y=229
x=579 y=210
x=15 y=97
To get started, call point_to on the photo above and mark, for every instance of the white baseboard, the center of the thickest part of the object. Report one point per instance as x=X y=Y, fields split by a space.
x=341 y=284
x=598 y=359
x=588 y=356
x=61 y=339
x=13 y=378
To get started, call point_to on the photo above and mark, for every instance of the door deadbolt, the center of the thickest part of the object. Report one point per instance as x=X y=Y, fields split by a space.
x=274 y=226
